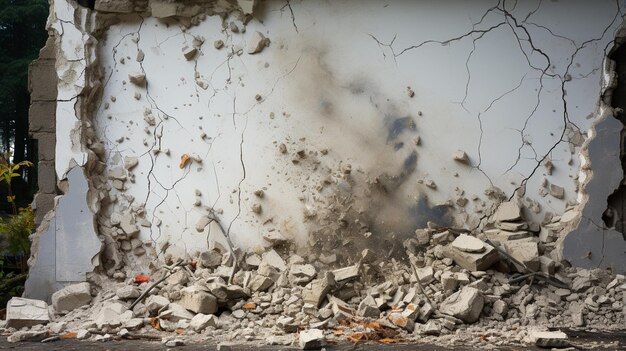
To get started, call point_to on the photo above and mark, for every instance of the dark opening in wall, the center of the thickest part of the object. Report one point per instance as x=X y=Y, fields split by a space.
x=87 y=3
x=615 y=214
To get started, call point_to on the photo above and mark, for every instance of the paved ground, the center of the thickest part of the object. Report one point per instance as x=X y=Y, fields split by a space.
x=582 y=340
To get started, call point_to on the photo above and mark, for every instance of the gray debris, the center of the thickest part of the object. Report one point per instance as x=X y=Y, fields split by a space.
x=465 y=304
x=22 y=312
x=71 y=297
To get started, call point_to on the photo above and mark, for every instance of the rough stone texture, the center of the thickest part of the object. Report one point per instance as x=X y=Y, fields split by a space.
x=22 y=312
x=116 y=6
x=196 y=300
x=473 y=261
x=465 y=304
x=201 y=321
x=71 y=297
x=311 y=339
x=467 y=243
x=508 y=211
x=525 y=252
x=42 y=124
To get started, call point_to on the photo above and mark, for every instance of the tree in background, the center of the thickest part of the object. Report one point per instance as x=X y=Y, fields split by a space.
x=22 y=34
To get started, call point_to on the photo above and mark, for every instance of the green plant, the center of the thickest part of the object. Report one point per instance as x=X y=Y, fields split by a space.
x=15 y=231
x=8 y=171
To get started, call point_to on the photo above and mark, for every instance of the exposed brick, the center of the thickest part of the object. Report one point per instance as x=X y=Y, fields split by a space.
x=42 y=80
x=44 y=203
x=47 y=145
x=42 y=117
x=47 y=177
x=119 y=6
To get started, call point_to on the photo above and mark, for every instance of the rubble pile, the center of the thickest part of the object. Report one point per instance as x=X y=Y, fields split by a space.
x=503 y=285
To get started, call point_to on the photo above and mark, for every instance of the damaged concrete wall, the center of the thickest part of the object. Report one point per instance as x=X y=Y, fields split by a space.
x=336 y=125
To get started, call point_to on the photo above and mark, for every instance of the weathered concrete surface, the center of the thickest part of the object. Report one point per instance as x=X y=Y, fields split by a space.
x=239 y=139
x=67 y=249
x=592 y=244
x=22 y=312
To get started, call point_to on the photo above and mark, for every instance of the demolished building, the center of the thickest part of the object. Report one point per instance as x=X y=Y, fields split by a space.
x=396 y=170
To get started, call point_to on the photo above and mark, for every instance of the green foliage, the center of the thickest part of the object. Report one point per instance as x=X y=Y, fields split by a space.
x=15 y=230
x=8 y=171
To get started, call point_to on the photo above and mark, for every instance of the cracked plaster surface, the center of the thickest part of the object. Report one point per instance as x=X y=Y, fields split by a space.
x=385 y=99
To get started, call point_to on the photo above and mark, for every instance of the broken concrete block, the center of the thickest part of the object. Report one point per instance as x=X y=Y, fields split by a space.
x=137 y=78
x=449 y=281
x=175 y=312
x=130 y=162
x=557 y=191
x=27 y=335
x=346 y=273
x=503 y=236
x=341 y=310
x=508 y=211
x=472 y=261
x=211 y=259
x=161 y=9
x=218 y=44
x=549 y=339
x=246 y=6
x=71 y=297
x=401 y=321
x=155 y=302
x=201 y=321
x=114 y=6
x=113 y=314
x=260 y=283
x=460 y=156
x=368 y=308
x=197 y=300
x=500 y=307
x=189 y=52
x=315 y=292
x=525 y=252
x=465 y=304
x=256 y=43
x=426 y=274
x=22 y=312
x=311 y=339
x=273 y=259
x=302 y=273
x=468 y=243
x=128 y=225
x=128 y=292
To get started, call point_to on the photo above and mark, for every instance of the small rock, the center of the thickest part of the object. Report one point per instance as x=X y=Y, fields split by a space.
x=465 y=304
x=189 y=52
x=556 y=339
x=201 y=321
x=311 y=339
x=257 y=42
x=137 y=78
x=128 y=292
x=469 y=244
x=460 y=156
x=71 y=297
x=23 y=312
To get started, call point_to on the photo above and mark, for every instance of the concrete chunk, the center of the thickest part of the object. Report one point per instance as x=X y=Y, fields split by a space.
x=315 y=292
x=465 y=304
x=461 y=156
x=273 y=259
x=161 y=9
x=508 y=211
x=472 y=261
x=196 y=300
x=311 y=339
x=525 y=252
x=71 y=297
x=468 y=243
x=201 y=321
x=549 y=339
x=26 y=312
x=256 y=43
x=137 y=78
x=345 y=273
